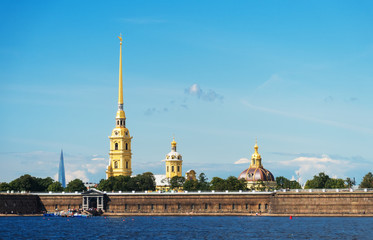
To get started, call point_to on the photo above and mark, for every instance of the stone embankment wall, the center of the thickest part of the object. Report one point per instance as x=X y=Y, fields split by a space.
x=353 y=203
x=60 y=202
x=19 y=204
x=280 y=203
x=183 y=204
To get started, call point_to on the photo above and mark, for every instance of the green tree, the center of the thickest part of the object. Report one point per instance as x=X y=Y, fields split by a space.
x=218 y=184
x=141 y=182
x=190 y=185
x=23 y=183
x=145 y=181
x=233 y=184
x=4 y=187
x=42 y=184
x=76 y=185
x=55 y=187
x=295 y=185
x=350 y=182
x=335 y=183
x=317 y=181
x=107 y=184
x=177 y=182
x=367 y=181
x=284 y=183
x=203 y=183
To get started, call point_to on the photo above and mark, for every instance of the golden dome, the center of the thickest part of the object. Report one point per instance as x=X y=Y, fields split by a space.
x=256 y=155
x=173 y=143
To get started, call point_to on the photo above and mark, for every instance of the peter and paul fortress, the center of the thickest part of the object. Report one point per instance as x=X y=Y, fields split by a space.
x=120 y=140
x=120 y=155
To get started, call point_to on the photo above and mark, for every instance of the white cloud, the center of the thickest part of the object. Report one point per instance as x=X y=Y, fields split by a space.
x=208 y=95
x=307 y=167
x=242 y=161
x=71 y=175
x=98 y=159
x=95 y=167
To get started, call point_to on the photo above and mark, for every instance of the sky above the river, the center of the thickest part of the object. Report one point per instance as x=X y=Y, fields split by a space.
x=296 y=75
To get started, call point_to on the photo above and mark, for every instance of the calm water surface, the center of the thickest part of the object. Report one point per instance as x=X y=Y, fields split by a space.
x=186 y=228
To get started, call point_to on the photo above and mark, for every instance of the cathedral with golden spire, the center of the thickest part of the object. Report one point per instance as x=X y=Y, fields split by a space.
x=120 y=140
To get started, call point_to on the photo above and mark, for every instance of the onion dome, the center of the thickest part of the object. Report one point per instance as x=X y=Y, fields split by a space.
x=173 y=155
x=256 y=171
x=255 y=174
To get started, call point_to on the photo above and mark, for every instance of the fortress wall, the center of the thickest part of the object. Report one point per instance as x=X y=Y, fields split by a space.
x=188 y=203
x=355 y=203
x=19 y=204
x=322 y=203
x=61 y=202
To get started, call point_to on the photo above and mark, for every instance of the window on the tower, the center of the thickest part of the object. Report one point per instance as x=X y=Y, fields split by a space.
x=173 y=169
x=178 y=168
x=126 y=146
x=115 y=164
x=167 y=169
x=127 y=165
x=116 y=146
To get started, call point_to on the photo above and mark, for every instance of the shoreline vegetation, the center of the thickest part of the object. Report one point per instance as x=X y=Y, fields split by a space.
x=146 y=182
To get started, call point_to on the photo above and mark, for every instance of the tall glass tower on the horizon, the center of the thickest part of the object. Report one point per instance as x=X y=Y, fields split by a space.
x=61 y=172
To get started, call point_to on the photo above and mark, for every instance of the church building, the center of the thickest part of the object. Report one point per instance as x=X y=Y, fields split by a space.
x=256 y=176
x=174 y=164
x=120 y=140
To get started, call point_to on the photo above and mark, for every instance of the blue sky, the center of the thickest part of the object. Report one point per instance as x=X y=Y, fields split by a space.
x=295 y=74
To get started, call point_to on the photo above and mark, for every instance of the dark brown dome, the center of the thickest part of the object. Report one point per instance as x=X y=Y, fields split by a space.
x=255 y=174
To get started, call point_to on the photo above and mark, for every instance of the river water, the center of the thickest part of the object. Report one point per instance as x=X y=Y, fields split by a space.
x=186 y=228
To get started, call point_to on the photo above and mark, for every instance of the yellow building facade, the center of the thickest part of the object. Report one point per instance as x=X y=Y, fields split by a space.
x=120 y=140
x=174 y=162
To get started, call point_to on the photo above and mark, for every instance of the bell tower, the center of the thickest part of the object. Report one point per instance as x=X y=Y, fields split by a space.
x=120 y=140
x=174 y=162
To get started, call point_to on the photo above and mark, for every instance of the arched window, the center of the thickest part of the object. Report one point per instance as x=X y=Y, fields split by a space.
x=259 y=206
x=115 y=164
x=116 y=146
x=127 y=165
x=172 y=169
x=126 y=146
x=178 y=168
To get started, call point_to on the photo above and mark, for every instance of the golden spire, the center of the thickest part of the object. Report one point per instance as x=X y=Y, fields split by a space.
x=120 y=113
x=256 y=146
x=120 y=95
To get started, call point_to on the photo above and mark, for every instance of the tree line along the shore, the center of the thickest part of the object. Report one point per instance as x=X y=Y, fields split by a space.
x=146 y=182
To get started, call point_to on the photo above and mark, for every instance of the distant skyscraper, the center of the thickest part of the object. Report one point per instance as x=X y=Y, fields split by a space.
x=61 y=172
